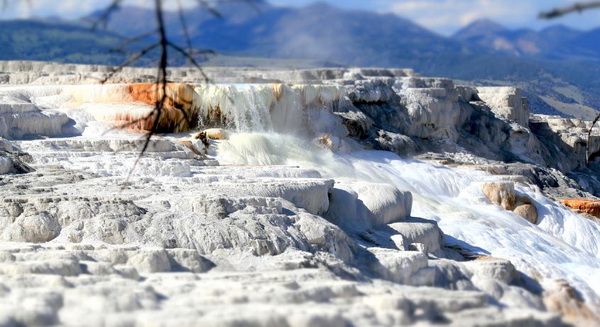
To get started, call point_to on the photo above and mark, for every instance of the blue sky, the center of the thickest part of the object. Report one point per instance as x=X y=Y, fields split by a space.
x=442 y=16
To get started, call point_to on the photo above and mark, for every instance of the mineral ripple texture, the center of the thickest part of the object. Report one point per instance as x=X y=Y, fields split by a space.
x=324 y=197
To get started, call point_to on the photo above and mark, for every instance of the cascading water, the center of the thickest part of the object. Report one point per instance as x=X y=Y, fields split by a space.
x=270 y=108
x=295 y=125
x=280 y=129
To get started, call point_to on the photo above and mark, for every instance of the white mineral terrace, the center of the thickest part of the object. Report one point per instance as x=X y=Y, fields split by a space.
x=283 y=220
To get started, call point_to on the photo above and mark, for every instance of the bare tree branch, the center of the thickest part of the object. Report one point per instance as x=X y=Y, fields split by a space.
x=161 y=80
x=134 y=39
x=589 y=135
x=163 y=43
x=205 y=4
x=577 y=7
x=129 y=61
x=190 y=58
x=105 y=16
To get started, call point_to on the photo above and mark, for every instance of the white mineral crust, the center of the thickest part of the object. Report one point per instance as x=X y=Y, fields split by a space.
x=286 y=221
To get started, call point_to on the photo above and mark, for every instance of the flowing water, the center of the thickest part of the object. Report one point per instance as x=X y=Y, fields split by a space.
x=282 y=125
x=563 y=245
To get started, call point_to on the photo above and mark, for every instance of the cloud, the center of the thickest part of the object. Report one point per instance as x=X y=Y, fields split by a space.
x=69 y=9
x=62 y=8
x=442 y=16
x=447 y=16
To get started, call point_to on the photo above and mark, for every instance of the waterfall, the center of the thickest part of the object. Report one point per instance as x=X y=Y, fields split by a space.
x=563 y=245
x=296 y=110
x=278 y=124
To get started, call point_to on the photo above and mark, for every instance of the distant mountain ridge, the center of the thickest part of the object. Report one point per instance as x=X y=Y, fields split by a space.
x=555 y=42
x=318 y=31
x=564 y=77
x=38 y=40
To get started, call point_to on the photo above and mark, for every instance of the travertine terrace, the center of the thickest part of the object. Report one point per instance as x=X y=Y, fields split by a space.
x=329 y=197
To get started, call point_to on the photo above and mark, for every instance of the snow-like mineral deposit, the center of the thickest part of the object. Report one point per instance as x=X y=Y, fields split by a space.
x=330 y=197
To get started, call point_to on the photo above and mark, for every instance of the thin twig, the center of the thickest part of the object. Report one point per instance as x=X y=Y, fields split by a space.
x=105 y=16
x=589 y=136
x=135 y=39
x=190 y=58
x=205 y=4
x=161 y=80
x=578 y=7
x=129 y=61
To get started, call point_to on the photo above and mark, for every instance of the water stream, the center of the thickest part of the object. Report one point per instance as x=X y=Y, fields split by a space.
x=563 y=244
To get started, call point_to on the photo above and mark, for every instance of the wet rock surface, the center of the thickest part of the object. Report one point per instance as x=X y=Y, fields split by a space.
x=183 y=239
x=163 y=247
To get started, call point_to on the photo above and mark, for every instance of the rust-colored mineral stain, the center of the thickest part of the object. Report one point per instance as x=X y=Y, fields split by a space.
x=278 y=90
x=588 y=206
x=484 y=257
x=178 y=114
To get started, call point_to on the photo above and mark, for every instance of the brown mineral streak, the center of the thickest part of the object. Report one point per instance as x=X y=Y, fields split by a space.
x=590 y=207
x=178 y=114
x=278 y=90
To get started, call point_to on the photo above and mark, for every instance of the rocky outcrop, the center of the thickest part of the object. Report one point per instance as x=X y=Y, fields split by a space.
x=561 y=297
x=405 y=267
x=549 y=181
x=527 y=211
x=20 y=118
x=86 y=229
x=50 y=73
x=257 y=223
x=12 y=160
x=418 y=235
x=569 y=137
x=504 y=195
x=506 y=102
x=359 y=206
x=394 y=110
x=215 y=134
